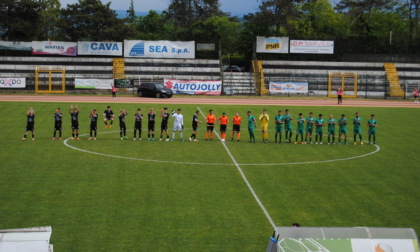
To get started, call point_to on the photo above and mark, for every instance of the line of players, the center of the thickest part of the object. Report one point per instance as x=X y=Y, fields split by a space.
x=223 y=121
x=317 y=124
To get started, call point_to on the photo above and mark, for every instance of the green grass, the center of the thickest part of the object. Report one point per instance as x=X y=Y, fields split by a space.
x=101 y=203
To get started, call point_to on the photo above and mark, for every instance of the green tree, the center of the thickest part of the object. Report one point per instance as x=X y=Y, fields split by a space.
x=281 y=14
x=413 y=16
x=185 y=13
x=131 y=13
x=155 y=26
x=92 y=20
x=215 y=29
x=19 y=19
x=319 y=21
x=49 y=15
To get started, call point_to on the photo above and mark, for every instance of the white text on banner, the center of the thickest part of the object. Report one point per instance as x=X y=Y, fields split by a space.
x=99 y=48
x=312 y=46
x=159 y=49
x=204 y=87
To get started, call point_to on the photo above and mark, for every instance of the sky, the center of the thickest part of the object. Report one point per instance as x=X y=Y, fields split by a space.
x=232 y=6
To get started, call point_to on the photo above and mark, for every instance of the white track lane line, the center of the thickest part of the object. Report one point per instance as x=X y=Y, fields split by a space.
x=245 y=179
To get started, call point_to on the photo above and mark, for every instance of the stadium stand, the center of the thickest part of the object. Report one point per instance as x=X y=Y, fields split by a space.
x=372 y=76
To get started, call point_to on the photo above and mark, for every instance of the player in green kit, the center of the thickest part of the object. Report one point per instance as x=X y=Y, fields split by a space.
x=357 y=122
x=288 y=128
x=372 y=123
x=310 y=121
x=331 y=129
x=300 y=128
x=252 y=123
x=319 y=123
x=279 y=120
x=342 y=122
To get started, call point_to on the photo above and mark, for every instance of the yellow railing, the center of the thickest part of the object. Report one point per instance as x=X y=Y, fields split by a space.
x=259 y=77
x=395 y=89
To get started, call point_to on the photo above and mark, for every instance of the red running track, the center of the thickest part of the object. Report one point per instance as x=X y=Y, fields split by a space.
x=210 y=100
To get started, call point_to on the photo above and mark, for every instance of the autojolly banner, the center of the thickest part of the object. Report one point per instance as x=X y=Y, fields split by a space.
x=12 y=82
x=312 y=46
x=93 y=83
x=159 y=49
x=272 y=45
x=54 y=48
x=288 y=87
x=194 y=86
x=15 y=46
x=99 y=48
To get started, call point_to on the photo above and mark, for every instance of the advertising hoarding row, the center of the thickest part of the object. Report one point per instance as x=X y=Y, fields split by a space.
x=132 y=48
x=282 y=45
x=162 y=48
x=102 y=83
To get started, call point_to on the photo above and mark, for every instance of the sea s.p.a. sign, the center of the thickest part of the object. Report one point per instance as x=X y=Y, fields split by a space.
x=99 y=48
x=159 y=49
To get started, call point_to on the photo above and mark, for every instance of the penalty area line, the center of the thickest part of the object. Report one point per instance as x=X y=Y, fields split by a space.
x=245 y=179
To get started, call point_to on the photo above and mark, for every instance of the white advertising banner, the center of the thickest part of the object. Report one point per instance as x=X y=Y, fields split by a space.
x=159 y=49
x=93 y=83
x=15 y=46
x=54 y=48
x=12 y=82
x=312 y=46
x=195 y=87
x=272 y=45
x=99 y=48
x=288 y=87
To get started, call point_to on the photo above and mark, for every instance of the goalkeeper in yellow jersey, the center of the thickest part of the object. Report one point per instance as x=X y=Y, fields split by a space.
x=264 y=118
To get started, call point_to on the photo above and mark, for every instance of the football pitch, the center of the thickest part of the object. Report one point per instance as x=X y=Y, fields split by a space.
x=114 y=195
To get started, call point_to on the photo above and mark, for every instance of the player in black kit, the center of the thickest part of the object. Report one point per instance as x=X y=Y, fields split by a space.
x=30 y=124
x=123 y=129
x=109 y=116
x=138 y=117
x=58 y=123
x=74 y=114
x=151 y=125
x=195 y=123
x=164 y=126
x=93 y=124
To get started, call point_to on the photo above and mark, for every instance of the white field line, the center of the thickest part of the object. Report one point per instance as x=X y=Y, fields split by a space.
x=65 y=142
x=245 y=179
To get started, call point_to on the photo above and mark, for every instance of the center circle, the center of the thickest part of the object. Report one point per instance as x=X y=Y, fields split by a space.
x=66 y=143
